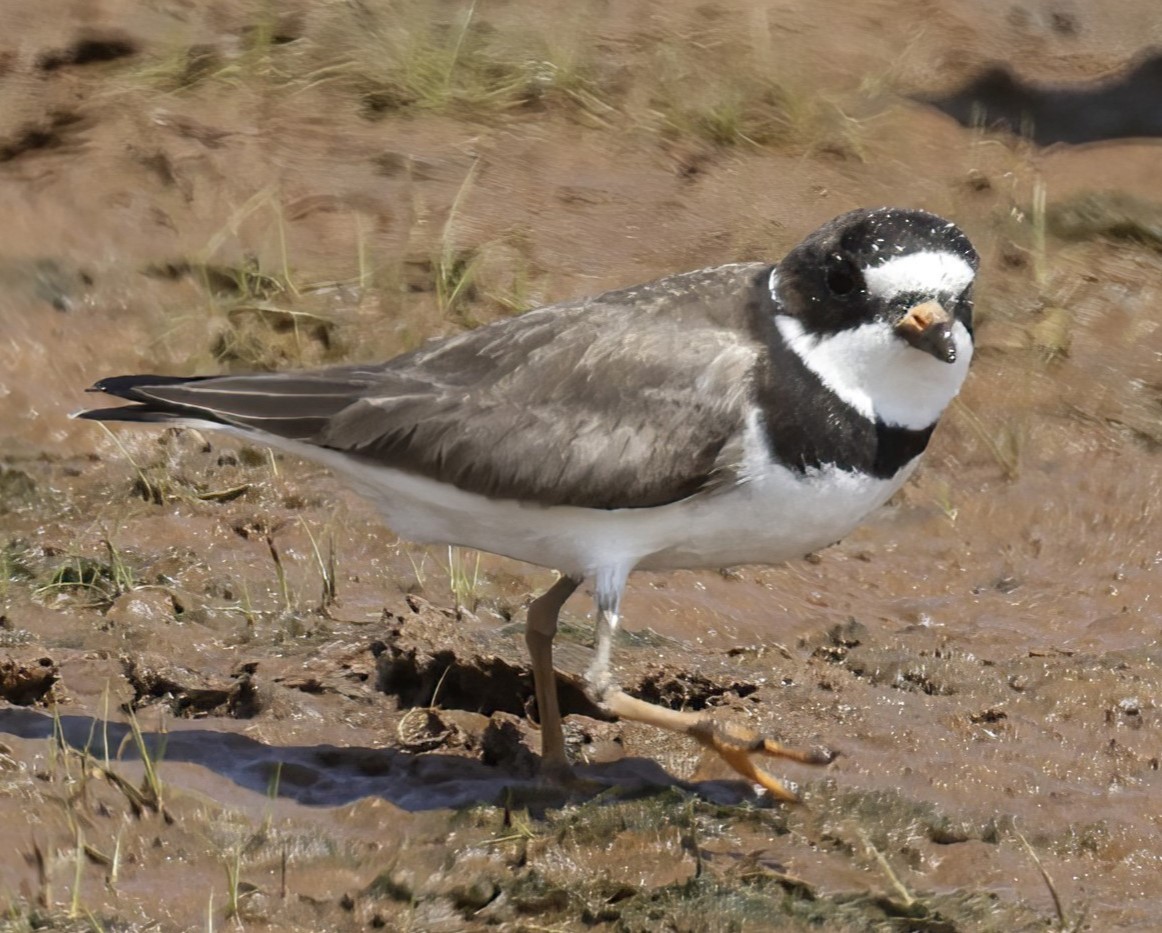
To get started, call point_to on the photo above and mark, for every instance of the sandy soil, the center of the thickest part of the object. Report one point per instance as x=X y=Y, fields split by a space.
x=231 y=698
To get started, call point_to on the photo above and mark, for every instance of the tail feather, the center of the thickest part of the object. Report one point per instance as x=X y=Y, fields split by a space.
x=142 y=414
x=295 y=406
x=127 y=386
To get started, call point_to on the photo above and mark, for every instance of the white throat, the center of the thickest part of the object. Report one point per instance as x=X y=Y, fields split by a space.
x=870 y=367
x=878 y=374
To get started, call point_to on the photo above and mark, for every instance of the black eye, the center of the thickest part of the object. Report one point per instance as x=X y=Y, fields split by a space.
x=842 y=277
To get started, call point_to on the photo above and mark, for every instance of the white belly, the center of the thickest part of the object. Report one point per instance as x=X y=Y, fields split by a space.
x=772 y=518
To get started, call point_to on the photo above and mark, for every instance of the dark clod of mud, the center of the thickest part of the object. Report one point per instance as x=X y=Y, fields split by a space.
x=60 y=129
x=244 y=280
x=503 y=746
x=88 y=50
x=481 y=684
x=685 y=690
x=187 y=694
x=416 y=665
x=26 y=683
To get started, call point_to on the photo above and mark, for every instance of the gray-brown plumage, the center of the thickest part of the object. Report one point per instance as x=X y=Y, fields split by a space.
x=625 y=400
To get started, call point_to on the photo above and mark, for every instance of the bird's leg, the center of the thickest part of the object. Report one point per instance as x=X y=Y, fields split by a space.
x=539 y=631
x=734 y=743
x=598 y=678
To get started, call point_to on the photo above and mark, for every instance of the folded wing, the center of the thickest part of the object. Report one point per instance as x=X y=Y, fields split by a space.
x=588 y=404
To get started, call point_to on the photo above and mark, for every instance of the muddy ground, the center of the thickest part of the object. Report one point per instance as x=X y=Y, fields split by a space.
x=232 y=699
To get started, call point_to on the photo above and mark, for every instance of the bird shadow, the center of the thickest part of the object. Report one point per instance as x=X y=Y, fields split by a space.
x=1126 y=105
x=333 y=775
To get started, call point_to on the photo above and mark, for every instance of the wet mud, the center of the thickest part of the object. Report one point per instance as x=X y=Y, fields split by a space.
x=229 y=696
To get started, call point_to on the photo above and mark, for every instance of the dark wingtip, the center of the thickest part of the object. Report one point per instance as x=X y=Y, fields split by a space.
x=138 y=413
x=127 y=413
x=126 y=386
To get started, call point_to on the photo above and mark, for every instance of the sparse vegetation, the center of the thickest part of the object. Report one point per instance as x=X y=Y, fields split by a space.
x=1116 y=215
x=96 y=581
x=398 y=58
x=15 y=564
x=725 y=90
x=464 y=577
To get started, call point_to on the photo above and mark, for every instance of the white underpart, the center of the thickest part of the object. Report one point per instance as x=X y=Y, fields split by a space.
x=872 y=368
x=756 y=457
x=925 y=273
x=773 y=516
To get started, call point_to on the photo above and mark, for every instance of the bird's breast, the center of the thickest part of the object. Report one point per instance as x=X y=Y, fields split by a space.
x=769 y=518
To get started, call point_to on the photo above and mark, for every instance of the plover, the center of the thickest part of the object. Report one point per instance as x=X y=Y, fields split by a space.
x=749 y=413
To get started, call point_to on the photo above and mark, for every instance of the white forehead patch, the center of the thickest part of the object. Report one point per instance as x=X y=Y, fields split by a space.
x=924 y=273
